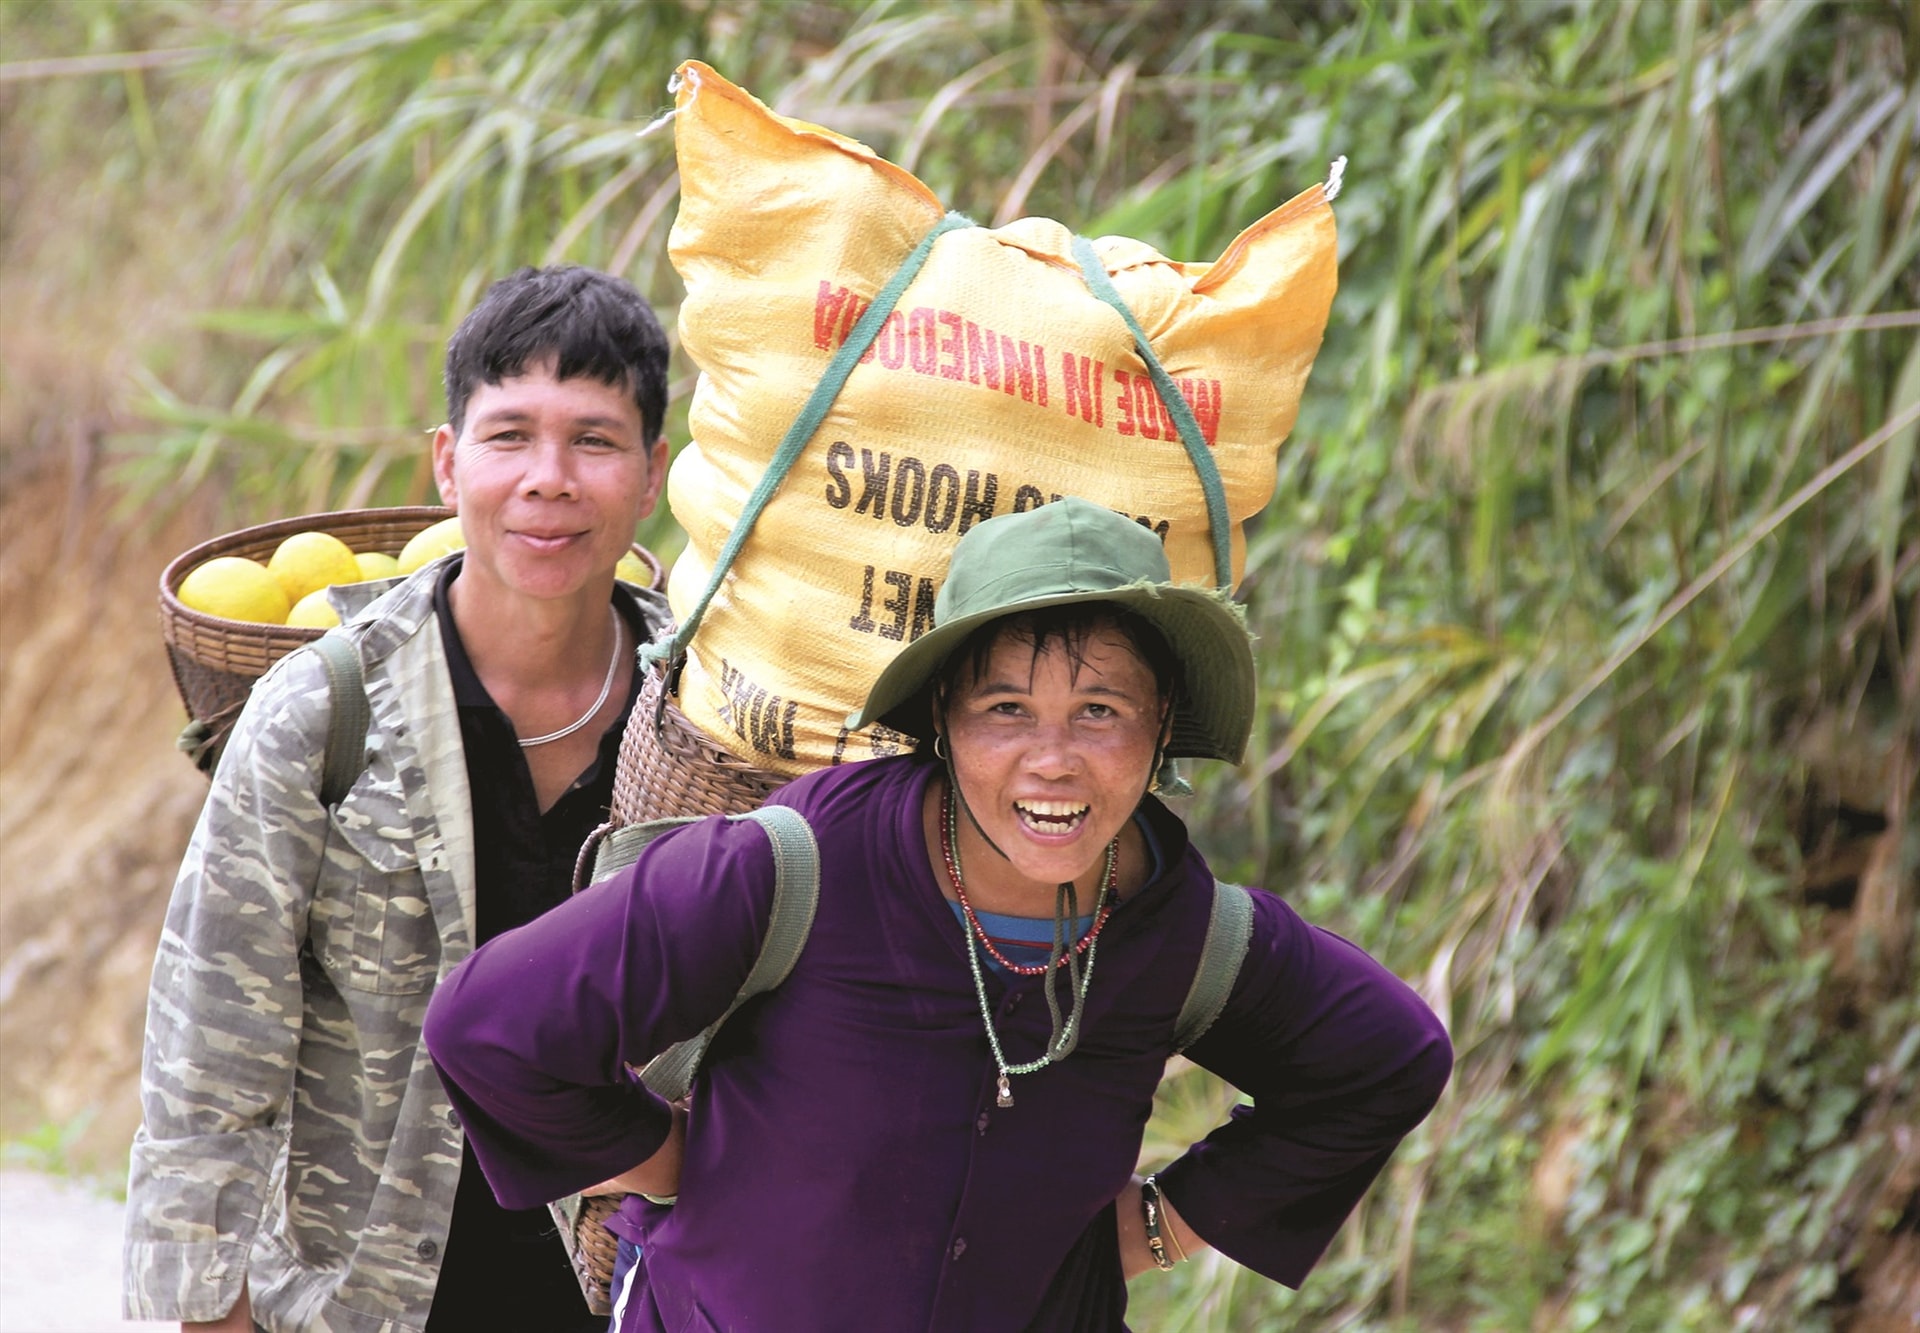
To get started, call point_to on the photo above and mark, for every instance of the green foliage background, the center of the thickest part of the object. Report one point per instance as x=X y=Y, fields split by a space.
x=1587 y=604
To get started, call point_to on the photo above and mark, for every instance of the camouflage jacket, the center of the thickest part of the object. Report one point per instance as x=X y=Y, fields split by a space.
x=295 y=1134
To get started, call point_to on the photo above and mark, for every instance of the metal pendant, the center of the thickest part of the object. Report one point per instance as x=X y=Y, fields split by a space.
x=1004 y=1098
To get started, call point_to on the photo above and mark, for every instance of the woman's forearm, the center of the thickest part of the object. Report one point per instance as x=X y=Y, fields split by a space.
x=659 y=1176
x=1136 y=1255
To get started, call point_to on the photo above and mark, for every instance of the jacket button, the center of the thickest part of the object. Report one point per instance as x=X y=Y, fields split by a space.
x=960 y=1247
x=426 y=1249
x=982 y=1122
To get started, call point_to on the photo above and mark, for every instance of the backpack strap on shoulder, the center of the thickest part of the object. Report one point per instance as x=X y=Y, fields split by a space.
x=348 y=717
x=1229 y=931
x=796 y=893
x=611 y=850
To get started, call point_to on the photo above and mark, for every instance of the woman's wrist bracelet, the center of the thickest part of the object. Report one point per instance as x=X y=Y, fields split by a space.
x=1173 y=1233
x=1152 y=1212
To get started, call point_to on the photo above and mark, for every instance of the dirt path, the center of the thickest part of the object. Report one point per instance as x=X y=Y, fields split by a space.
x=60 y=1258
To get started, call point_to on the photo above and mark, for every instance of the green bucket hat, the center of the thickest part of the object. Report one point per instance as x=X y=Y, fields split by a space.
x=1076 y=551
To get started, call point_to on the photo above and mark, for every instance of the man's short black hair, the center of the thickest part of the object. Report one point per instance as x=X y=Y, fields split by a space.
x=588 y=323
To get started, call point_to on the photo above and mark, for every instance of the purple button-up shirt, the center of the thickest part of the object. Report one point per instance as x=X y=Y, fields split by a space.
x=845 y=1159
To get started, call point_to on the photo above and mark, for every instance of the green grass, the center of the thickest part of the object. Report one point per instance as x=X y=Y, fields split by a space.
x=63 y=1149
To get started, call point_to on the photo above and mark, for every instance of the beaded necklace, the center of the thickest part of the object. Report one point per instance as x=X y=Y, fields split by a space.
x=949 y=851
x=1064 y=1036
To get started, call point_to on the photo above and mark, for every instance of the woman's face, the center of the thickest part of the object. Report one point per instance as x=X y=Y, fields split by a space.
x=1052 y=757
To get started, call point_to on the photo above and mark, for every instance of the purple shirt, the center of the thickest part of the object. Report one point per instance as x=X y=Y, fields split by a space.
x=845 y=1156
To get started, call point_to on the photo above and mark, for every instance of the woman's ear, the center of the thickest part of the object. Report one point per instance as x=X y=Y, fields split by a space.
x=1162 y=777
x=937 y=707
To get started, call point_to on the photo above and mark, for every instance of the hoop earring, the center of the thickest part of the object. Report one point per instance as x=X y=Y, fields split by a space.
x=939 y=740
x=1155 y=784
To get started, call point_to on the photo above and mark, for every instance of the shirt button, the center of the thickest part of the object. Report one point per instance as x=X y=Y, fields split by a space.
x=982 y=1122
x=453 y=1117
x=960 y=1247
x=426 y=1249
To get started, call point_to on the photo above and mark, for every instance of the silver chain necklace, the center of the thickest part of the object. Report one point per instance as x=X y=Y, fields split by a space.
x=606 y=688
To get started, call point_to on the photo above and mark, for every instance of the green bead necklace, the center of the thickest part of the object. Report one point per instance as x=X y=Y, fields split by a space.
x=1064 y=1036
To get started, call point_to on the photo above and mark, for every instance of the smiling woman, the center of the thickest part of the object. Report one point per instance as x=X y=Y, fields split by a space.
x=1051 y=731
x=899 y=1135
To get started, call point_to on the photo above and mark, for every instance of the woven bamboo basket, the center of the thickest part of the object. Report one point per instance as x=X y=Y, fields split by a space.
x=671 y=769
x=593 y=1250
x=215 y=660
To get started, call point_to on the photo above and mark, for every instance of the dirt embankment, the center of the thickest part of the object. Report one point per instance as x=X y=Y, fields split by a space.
x=95 y=803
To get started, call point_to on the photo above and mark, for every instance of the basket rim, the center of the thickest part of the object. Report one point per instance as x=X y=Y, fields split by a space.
x=175 y=613
x=183 y=564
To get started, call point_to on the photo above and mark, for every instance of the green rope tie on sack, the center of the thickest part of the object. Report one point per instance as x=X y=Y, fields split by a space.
x=801 y=432
x=1178 y=408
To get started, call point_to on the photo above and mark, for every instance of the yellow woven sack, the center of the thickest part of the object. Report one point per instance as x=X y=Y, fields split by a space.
x=999 y=381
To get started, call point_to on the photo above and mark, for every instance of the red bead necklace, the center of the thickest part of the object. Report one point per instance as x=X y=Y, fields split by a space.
x=949 y=852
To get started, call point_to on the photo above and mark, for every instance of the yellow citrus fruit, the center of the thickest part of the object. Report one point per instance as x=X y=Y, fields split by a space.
x=430 y=545
x=309 y=561
x=375 y=565
x=236 y=588
x=632 y=569
x=314 y=611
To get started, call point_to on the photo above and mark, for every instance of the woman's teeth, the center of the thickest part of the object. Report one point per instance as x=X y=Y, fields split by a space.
x=1051 y=816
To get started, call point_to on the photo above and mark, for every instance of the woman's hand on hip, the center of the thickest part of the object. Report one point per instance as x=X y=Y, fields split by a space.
x=659 y=1175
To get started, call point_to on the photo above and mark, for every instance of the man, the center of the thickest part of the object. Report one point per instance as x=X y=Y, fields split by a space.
x=300 y=1167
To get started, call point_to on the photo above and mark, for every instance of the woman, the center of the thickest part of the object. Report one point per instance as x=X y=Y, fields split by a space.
x=933 y=1122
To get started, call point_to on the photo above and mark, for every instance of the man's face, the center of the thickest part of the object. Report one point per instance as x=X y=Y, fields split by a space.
x=549 y=478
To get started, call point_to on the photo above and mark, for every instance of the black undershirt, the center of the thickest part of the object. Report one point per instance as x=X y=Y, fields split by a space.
x=505 y=1270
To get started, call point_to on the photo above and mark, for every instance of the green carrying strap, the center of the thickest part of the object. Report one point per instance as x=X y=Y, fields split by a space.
x=801 y=432
x=796 y=893
x=348 y=717
x=1102 y=286
x=834 y=378
x=1229 y=931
